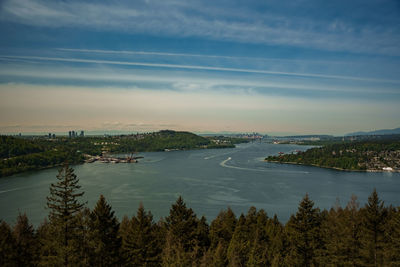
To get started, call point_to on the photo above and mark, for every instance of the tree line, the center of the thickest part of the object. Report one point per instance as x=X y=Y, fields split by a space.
x=74 y=235
x=347 y=156
x=20 y=154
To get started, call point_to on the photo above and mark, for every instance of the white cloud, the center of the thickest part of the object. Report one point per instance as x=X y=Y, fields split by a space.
x=171 y=80
x=196 y=67
x=213 y=21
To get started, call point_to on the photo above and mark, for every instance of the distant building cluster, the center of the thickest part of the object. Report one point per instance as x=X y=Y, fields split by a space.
x=73 y=134
x=52 y=136
x=250 y=136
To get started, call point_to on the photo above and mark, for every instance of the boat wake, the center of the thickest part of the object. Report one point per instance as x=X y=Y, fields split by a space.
x=218 y=155
x=14 y=189
x=223 y=164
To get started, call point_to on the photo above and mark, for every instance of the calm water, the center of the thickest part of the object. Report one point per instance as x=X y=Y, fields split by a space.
x=208 y=180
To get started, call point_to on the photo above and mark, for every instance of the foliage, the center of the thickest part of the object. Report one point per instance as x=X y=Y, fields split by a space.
x=25 y=241
x=141 y=243
x=64 y=206
x=347 y=156
x=103 y=235
x=350 y=236
x=26 y=154
x=8 y=248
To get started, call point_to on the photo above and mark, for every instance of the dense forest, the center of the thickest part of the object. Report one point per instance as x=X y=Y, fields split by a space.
x=19 y=155
x=24 y=154
x=361 y=156
x=73 y=235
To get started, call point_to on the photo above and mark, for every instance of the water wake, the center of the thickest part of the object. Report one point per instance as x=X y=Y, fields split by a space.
x=222 y=154
x=14 y=189
x=223 y=164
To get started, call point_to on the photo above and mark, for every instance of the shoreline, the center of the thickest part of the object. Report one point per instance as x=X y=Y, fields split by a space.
x=32 y=169
x=327 y=167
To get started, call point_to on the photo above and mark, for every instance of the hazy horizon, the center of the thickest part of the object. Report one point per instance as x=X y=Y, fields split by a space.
x=303 y=67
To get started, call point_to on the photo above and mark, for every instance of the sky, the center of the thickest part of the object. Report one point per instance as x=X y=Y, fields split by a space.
x=274 y=67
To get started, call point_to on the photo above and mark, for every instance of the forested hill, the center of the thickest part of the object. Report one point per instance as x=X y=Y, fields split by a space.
x=358 y=156
x=12 y=147
x=160 y=141
x=33 y=153
x=19 y=155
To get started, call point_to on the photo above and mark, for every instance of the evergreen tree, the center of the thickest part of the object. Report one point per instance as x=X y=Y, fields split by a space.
x=48 y=245
x=239 y=246
x=222 y=228
x=202 y=240
x=64 y=206
x=182 y=232
x=26 y=244
x=220 y=233
x=141 y=246
x=219 y=256
x=373 y=225
x=123 y=230
x=304 y=234
x=83 y=241
x=7 y=246
x=392 y=236
x=333 y=234
x=277 y=241
x=259 y=249
x=174 y=254
x=104 y=237
x=352 y=233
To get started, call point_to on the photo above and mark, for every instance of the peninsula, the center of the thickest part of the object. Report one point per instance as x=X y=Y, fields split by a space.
x=372 y=156
x=19 y=154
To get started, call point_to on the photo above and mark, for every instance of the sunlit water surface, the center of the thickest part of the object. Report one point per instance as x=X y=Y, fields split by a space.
x=208 y=180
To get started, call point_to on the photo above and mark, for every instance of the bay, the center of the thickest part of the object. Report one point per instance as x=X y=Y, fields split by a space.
x=208 y=180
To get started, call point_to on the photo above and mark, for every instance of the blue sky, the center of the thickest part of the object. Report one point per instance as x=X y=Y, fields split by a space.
x=205 y=66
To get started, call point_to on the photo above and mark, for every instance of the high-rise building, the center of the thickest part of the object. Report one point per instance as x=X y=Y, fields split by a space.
x=70 y=134
x=82 y=134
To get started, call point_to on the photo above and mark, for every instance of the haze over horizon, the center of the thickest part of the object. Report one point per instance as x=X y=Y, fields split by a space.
x=305 y=67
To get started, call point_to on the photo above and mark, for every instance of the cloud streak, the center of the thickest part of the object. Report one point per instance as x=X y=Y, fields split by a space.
x=196 y=67
x=166 y=18
x=170 y=80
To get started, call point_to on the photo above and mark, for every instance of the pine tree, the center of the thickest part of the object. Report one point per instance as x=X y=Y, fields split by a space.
x=222 y=228
x=7 y=246
x=48 y=245
x=259 y=249
x=373 y=225
x=82 y=240
x=181 y=235
x=392 y=236
x=174 y=254
x=64 y=206
x=141 y=246
x=202 y=240
x=239 y=247
x=333 y=234
x=221 y=231
x=304 y=233
x=219 y=256
x=277 y=241
x=104 y=237
x=26 y=243
x=352 y=233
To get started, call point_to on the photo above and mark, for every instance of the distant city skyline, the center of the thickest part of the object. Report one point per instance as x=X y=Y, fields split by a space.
x=299 y=67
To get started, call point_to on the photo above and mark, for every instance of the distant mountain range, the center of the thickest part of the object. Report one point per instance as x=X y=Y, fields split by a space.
x=377 y=132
